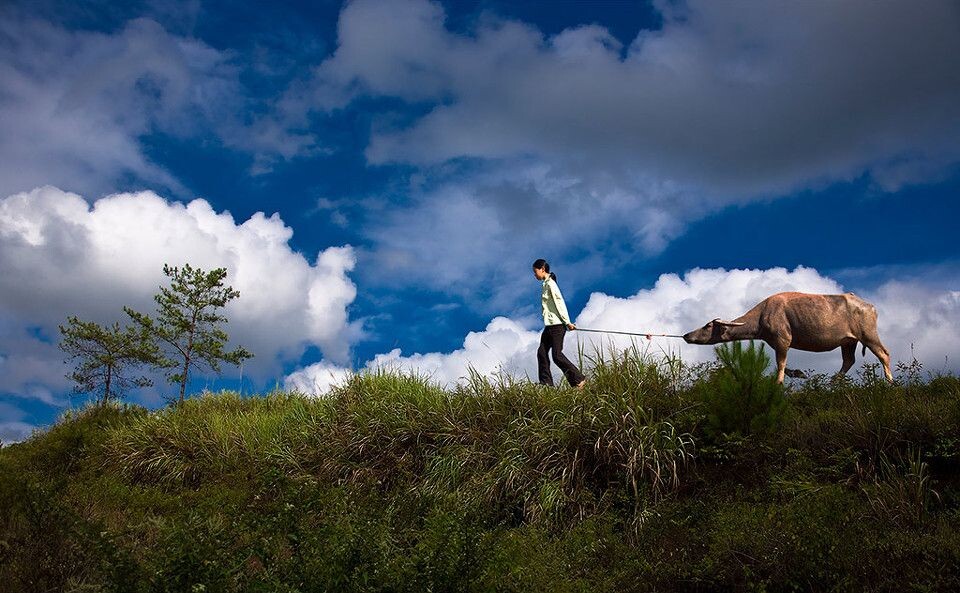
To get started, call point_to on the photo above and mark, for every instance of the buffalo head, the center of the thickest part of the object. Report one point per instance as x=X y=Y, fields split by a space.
x=714 y=332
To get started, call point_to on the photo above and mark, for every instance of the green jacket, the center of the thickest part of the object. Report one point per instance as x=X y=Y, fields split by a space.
x=554 y=309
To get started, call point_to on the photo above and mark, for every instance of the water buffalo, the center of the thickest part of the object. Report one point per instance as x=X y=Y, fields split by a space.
x=811 y=322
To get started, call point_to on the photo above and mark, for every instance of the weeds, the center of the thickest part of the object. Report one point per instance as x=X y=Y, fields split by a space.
x=900 y=490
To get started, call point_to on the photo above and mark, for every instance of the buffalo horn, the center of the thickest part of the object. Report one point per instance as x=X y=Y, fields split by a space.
x=732 y=323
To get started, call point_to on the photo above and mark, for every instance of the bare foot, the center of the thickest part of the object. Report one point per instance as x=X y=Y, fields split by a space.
x=581 y=384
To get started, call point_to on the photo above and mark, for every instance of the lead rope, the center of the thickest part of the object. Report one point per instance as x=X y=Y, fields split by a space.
x=610 y=331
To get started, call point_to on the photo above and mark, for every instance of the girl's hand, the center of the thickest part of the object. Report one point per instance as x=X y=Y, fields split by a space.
x=571 y=326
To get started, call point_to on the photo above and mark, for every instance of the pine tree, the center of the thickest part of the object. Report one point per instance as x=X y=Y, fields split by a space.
x=188 y=323
x=105 y=356
x=742 y=396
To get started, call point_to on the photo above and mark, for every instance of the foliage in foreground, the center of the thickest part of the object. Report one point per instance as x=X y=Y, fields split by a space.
x=394 y=484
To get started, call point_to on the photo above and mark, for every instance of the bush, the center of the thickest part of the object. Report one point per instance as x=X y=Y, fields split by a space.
x=740 y=397
x=46 y=546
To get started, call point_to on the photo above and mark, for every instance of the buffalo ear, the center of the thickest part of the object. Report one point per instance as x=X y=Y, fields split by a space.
x=730 y=323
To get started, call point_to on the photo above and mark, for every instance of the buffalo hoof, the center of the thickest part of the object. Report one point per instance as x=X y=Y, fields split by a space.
x=795 y=373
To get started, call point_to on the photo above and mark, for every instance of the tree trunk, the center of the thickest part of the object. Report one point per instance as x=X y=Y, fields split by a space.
x=186 y=356
x=106 y=388
x=183 y=383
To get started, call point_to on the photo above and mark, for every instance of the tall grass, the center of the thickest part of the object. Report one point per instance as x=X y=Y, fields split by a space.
x=516 y=446
x=210 y=435
x=869 y=418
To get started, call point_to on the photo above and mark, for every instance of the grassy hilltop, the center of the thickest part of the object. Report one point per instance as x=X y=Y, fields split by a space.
x=656 y=477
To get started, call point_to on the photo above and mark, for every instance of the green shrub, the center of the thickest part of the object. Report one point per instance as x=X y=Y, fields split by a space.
x=45 y=545
x=799 y=544
x=741 y=397
x=871 y=418
x=901 y=491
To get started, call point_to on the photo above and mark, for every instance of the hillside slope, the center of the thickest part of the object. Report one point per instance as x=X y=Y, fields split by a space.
x=657 y=477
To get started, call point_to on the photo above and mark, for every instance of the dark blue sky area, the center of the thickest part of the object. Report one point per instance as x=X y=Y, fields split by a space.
x=846 y=225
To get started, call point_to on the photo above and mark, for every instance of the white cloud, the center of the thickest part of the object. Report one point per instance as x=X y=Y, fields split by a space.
x=59 y=257
x=75 y=103
x=517 y=212
x=914 y=313
x=920 y=321
x=504 y=345
x=32 y=366
x=676 y=305
x=573 y=138
x=741 y=99
x=317 y=378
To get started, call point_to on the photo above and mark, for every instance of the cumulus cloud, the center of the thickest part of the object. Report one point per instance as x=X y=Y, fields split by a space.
x=76 y=103
x=915 y=319
x=504 y=346
x=317 y=378
x=14 y=432
x=59 y=256
x=676 y=305
x=30 y=362
x=516 y=212
x=920 y=321
x=579 y=137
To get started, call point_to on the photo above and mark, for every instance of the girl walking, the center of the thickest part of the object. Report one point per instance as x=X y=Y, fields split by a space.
x=556 y=322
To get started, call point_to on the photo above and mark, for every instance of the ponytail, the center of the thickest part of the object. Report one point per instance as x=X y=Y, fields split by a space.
x=541 y=264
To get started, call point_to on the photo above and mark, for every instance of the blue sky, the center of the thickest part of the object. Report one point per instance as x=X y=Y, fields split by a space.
x=410 y=159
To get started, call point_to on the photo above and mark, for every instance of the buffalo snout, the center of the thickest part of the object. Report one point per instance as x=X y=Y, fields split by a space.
x=698 y=336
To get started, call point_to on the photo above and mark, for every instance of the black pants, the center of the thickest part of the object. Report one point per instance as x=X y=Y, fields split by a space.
x=552 y=339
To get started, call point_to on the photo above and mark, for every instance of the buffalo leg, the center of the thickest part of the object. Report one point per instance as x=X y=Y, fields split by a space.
x=849 y=352
x=780 y=345
x=781 y=363
x=883 y=354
